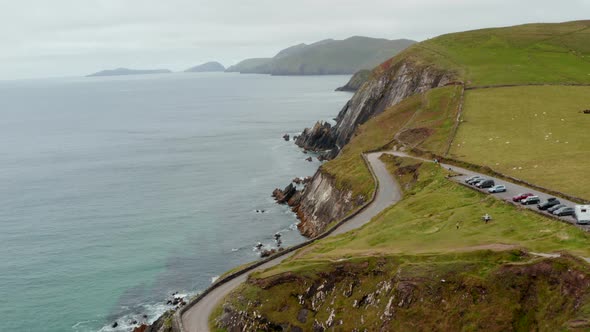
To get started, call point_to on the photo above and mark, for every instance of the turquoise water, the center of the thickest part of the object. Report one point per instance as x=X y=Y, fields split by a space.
x=116 y=192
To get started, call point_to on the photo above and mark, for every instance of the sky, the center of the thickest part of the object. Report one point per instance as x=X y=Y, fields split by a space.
x=57 y=38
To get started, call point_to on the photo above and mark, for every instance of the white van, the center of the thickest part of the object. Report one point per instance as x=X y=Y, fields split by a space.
x=582 y=214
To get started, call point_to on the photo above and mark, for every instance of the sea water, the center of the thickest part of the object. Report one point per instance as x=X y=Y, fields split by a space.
x=116 y=192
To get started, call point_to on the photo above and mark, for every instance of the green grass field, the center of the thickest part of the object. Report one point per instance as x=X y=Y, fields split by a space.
x=525 y=54
x=537 y=134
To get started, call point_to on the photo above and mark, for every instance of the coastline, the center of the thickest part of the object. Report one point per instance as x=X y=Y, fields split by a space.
x=160 y=307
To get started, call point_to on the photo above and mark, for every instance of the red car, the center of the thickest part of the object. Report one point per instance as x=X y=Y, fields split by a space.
x=520 y=197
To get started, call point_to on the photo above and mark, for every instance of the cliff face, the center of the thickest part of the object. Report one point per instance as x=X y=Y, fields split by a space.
x=321 y=202
x=379 y=93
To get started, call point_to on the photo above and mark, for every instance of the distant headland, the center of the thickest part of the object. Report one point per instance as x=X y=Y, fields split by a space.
x=127 y=71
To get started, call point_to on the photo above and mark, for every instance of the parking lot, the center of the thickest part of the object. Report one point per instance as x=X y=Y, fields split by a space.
x=511 y=190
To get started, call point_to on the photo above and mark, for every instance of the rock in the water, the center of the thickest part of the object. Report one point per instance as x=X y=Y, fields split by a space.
x=286 y=137
x=283 y=196
x=266 y=253
x=310 y=159
x=318 y=138
x=141 y=328
x=115 y=324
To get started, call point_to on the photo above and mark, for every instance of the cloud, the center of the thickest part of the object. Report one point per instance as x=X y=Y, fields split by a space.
x=70 y=37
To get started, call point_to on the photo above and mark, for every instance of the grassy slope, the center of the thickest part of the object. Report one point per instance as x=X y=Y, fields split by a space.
x=525 y=54
x=416 y=243
x=480 y=291
x=435 y=109
x=424 y=222
x=535 y=133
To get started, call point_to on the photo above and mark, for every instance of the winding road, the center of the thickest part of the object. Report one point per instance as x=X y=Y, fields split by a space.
x=196 y=318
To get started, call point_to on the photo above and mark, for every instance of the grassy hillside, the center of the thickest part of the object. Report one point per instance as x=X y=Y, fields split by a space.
x=326 y=57
x=424 y=120
x=480 y=291
x=429 y=213
x=525 y=54
x=538 y=134
x=440 y=278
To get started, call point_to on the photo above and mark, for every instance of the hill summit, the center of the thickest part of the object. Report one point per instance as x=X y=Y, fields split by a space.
x=326 y=57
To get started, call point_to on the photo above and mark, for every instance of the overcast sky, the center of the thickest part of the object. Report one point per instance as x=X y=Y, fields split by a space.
x=46 y=38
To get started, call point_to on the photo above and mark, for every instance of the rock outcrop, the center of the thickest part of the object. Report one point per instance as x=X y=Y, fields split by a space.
x=318 y=138
x=384 y=90
x=321 y=202
x=283 y=196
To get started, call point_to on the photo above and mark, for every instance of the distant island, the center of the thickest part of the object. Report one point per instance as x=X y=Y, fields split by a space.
x=211 y=66
x=326 y=57
x=127 y=71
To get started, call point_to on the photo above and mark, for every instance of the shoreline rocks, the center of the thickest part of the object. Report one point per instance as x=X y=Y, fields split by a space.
x=318 y=138
x=283 y=196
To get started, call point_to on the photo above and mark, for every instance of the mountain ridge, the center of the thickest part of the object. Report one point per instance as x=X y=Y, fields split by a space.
x=325 y=57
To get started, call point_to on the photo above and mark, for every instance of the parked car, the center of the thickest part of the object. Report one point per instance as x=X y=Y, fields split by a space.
x=549 y=203
x=520 y=197
x=555 y=208
x=565 y=211
x=530 y=200
x=485 y=184
x=472 y=178
x=499 y=188
x=476 y=181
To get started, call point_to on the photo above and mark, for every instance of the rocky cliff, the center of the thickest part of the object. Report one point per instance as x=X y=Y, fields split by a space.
x=321 y=203
x=400 y=80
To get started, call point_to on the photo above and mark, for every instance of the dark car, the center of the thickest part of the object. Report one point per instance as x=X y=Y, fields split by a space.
x=530 y=200
x=486 y=184
x=472 y=178
x=549 y=203
x=520 y=197
x=555 y=208
x=564 y=211
x=476 y=181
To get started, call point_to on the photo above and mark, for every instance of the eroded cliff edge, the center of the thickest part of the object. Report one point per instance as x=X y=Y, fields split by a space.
x=322 y=200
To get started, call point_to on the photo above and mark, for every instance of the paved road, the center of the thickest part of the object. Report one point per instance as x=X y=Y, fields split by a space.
x=511 y=189
x=196 y=319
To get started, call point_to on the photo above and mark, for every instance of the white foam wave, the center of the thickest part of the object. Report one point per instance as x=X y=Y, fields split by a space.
x=125 y=322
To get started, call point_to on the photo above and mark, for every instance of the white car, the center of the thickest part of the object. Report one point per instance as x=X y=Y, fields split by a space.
x=497 y=188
